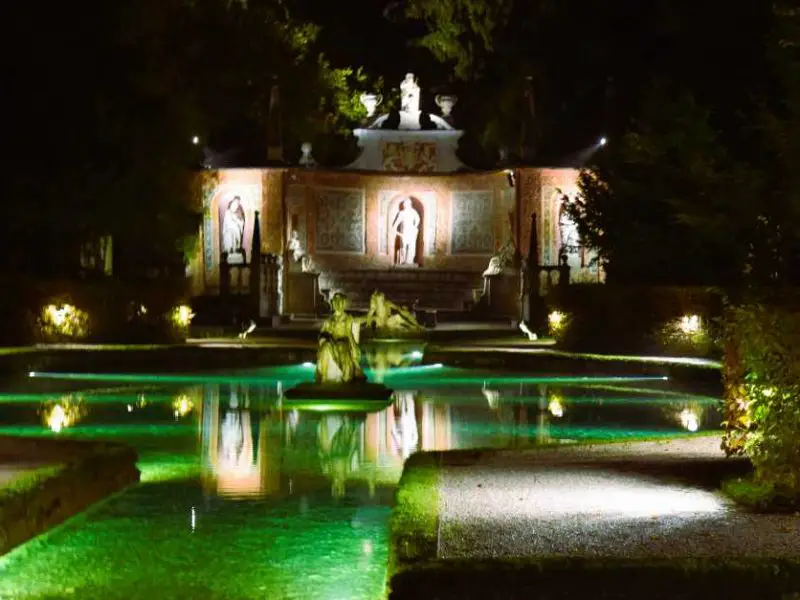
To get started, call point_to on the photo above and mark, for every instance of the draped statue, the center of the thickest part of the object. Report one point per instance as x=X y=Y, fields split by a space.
x=338 y=354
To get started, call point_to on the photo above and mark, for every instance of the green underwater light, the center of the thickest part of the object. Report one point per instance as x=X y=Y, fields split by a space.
x=433 y=375
x=274 y=374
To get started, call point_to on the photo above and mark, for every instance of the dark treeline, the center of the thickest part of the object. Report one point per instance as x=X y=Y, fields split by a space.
x=698 y=100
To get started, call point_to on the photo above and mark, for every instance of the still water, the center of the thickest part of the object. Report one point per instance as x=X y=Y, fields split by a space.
x=245 y=495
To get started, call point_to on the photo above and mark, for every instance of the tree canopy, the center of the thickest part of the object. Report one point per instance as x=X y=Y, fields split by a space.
x=107 y=103
x=704 y=183
x=699 y=102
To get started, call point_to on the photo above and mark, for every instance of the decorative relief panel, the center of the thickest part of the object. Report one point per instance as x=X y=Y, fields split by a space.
x=340 y=221
x=417 y=157
x=548 y=254
x=471 y=223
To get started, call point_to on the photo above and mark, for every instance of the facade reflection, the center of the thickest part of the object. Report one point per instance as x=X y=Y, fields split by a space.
x=254 y=446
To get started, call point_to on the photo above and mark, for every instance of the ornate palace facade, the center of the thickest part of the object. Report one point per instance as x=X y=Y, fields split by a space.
x=406 y=217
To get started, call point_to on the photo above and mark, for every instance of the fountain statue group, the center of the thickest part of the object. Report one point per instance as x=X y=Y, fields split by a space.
x=338 y=353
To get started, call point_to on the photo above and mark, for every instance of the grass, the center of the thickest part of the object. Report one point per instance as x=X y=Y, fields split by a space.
x=414 y=525
x=573 y=578
x=29 y=480
x=759 y=497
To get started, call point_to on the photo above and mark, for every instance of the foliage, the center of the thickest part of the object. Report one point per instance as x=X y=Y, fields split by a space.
x=637 y=320
x=459 y=31
x=239 y=51
x=762 y=397
x=700 y=184
x=690 y=335
x=759 y=497
x=136 y=81
x=514 y=64
x=61 y=320
x=649 y=192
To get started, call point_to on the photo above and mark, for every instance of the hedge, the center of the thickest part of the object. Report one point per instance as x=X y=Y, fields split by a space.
x=762 y=388
x=641 y=320
x=113 y=310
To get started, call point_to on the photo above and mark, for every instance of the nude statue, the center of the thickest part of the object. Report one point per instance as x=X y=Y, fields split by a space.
x=406 y=226
x=338 y=354
x=385 y=314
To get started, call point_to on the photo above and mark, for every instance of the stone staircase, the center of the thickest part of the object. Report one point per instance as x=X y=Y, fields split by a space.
x=429 y=289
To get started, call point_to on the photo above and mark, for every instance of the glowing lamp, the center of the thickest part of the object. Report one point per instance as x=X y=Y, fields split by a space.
x=556 y=407
x=416 y=355
x=64 y=320
x=57 y=419
x=195 y=140
x=689 y=420
x=603 y=141
x=556 y=318
x=183 y=315
x=182 y=406
x=690 y=324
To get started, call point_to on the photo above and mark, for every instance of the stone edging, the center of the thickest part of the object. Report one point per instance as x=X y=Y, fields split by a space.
x=89 y=473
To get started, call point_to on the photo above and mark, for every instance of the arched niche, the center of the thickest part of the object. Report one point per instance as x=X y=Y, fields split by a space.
x=393 y=241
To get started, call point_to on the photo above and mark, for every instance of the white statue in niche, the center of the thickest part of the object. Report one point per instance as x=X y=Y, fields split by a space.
x=233 y=222
x=405 y=225
x=409 y=94
x=299 y=254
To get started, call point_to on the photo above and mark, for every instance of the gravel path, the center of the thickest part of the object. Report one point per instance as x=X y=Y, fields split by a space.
x=595 y=501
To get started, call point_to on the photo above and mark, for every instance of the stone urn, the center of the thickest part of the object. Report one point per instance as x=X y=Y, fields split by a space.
x=371 y=102
x=446 y=102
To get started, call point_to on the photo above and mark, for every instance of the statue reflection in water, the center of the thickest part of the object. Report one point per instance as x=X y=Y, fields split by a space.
x=405 y=434
x=236 y=443
x=337 y=438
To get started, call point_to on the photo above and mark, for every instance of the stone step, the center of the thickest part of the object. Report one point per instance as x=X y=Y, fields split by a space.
x=433 y=289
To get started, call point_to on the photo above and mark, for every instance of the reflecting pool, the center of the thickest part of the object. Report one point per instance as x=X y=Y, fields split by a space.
x=246 y=495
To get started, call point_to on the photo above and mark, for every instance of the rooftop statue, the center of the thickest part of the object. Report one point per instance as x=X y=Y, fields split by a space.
x=409 y=94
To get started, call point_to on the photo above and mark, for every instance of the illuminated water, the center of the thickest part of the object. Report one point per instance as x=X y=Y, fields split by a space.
x=246 y=497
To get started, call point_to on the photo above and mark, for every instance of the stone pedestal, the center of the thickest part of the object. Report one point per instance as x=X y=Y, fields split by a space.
x=502 y=295
x=269 y=290
x=302 y=294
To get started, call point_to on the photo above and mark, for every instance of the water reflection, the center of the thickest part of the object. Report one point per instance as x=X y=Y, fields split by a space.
x=255 y=446
x=380 y=358
x=255 y=443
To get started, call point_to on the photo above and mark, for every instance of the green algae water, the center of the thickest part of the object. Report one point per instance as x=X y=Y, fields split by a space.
x=244 y=495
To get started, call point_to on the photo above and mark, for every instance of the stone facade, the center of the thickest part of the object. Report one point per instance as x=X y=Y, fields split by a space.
x=343 y=219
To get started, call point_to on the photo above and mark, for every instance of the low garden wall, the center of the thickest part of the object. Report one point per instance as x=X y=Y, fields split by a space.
x=92 y=311
x=674 y=321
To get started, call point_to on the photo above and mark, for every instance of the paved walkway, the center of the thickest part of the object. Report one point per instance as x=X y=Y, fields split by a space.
x=636 y=500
